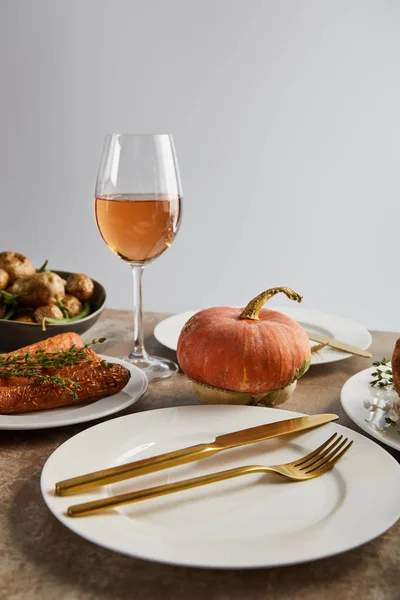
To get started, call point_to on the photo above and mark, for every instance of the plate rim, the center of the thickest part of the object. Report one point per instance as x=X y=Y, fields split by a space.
x=364 y=427
x=135 y=553
x=339 y=355
x=144 y=383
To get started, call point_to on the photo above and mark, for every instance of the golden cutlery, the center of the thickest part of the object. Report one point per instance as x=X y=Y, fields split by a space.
x=82 y=483
x=328 y=341
x=312 y=465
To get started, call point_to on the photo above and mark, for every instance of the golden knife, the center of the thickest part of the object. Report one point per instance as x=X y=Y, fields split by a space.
x=324 y=339
x=82 y=483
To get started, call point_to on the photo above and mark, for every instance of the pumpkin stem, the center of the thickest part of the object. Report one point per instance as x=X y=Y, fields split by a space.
x=253 y=308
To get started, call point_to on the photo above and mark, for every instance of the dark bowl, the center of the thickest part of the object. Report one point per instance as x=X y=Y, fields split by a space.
x=14 y=335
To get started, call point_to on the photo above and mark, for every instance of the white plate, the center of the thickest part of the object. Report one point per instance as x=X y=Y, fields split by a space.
x=354 y=392
x=251 y=521
x=69 y=415
x=167 y=331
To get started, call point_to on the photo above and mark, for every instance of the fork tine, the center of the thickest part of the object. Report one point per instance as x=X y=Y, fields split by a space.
x=299 y=462
x=326 y=455
x=336 y=458
x=330 y=463
x=309 y=462
x=332 y=460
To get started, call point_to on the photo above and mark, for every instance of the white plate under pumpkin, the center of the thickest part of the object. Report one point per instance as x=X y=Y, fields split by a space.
x=347 y=331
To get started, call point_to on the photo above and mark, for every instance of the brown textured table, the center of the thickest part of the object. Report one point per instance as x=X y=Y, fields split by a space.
x=42 y=560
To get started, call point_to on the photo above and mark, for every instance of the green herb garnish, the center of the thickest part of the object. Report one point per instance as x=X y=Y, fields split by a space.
x=82 y=315
x=33 y=366
x=383 y=376
x=64 y=310
x=11 y=304
x=390 y=421
x=43 y=268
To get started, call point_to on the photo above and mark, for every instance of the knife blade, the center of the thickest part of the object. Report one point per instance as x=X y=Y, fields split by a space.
x=82 y=483
x=324 y=339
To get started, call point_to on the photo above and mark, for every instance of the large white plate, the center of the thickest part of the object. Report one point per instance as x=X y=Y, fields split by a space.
x=355 y=391
x=251 y=521
x=69 y=415
x=167 y=331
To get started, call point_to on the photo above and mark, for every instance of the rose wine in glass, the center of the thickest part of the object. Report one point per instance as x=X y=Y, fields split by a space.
x=138 y=210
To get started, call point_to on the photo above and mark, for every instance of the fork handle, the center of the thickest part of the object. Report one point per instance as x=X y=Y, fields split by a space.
x=87 y=508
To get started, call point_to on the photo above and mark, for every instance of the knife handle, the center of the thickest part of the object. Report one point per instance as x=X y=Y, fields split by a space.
x=82 y=483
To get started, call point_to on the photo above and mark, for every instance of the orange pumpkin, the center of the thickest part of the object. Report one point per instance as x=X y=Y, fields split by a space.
x=245 y=356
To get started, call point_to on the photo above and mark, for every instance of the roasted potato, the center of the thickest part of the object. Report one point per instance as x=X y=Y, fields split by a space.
x=39 y=289
x=81 y=286
x=51 y=311
x=16 y=265
x=73 y=305
x=4 y=279
x=25 y=319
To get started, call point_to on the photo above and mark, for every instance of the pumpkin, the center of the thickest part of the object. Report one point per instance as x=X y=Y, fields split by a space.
x=244 y=356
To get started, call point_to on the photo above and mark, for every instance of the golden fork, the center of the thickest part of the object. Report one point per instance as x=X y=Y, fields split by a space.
x=310 y=466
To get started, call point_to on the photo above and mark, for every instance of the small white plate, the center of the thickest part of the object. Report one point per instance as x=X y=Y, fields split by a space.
x=246 y=522
x=167 y=331
x=354 y=392
x=70 y=415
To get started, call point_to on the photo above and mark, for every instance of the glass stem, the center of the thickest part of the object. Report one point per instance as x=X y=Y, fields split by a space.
x=138 y=344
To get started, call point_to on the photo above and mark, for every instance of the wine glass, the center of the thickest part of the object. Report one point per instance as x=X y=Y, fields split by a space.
x=138 y=210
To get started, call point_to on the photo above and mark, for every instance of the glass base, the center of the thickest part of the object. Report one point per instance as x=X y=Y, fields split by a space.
x=155 y=367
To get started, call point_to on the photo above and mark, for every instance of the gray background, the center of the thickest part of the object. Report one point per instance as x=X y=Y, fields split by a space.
x=286 y=121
